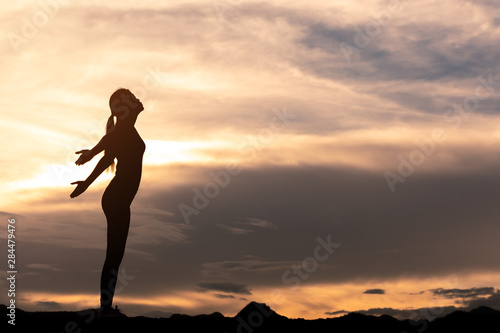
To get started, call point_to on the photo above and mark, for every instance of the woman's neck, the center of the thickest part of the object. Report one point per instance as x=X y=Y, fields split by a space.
x=128 y=121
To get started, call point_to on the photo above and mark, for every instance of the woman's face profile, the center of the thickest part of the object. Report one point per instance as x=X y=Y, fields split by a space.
x=134 y=99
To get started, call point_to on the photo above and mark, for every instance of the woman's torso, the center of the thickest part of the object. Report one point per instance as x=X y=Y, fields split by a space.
x=128 y=148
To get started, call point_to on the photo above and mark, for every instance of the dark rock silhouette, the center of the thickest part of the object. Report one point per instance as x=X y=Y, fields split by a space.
x=253 y=318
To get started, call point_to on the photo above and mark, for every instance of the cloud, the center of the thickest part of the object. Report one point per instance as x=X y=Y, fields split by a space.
x=238 y=269
x=228 y=287
x=492 y=301
x=306 y=197
x=336 y=312
x=374 y=291
x=464 y=293
x=381 y=60
x=328 y=209
x=236 y=231
x=250 y=221
x=153 y=226
x=430 y=313
x=223 y=296
x=49 y=305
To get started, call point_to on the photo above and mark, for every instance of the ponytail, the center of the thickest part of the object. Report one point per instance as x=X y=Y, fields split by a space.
x=110 y=126
x=116 y=111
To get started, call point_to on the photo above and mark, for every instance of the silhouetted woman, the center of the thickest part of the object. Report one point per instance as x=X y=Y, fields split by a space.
x=123 y=143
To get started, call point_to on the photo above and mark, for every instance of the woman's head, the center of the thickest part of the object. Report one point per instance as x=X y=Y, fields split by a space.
x=122 y=102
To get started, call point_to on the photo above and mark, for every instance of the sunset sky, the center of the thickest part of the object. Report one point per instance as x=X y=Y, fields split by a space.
x=321 y=157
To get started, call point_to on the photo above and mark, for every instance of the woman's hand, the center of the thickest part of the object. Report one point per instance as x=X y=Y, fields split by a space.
x=85 y=156
x=82 y=185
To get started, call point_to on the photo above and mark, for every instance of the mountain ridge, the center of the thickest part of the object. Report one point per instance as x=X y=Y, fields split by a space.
x=253 y=318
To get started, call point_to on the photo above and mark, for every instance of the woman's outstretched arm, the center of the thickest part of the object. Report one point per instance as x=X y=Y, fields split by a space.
x=82 y=185
x=87 y=155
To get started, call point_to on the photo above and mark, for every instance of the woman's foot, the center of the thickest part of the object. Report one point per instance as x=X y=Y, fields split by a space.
x=110 y=313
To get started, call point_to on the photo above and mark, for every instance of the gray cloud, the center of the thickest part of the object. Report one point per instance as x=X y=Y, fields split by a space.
x=464 y=293
x=387 y=237
x=430 y=313
x=248 y=223
x=223 y=296
x=49 y=305
x=236 y=231
x=492 y=301
x=404 y=52
x=374 y=291
x=336 y=312
x=486 y=3
x=385 y=59
x=255 y=222
x=228 y=287
x=241 y=268
x=413 y=231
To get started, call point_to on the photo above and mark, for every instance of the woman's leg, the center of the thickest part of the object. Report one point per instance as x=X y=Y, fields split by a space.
x=118 y=219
